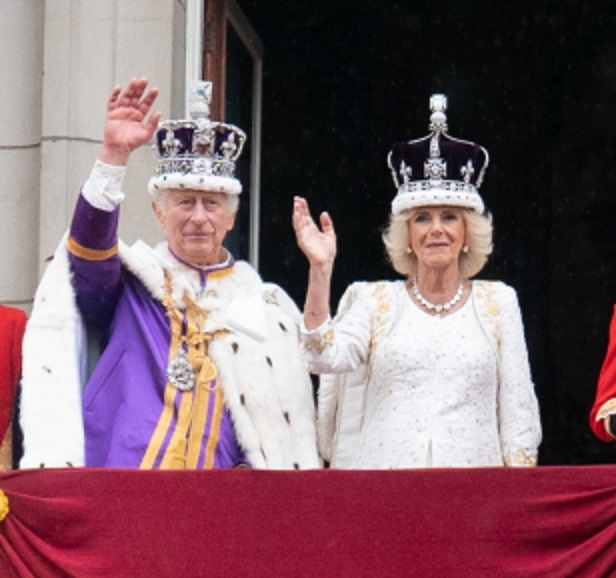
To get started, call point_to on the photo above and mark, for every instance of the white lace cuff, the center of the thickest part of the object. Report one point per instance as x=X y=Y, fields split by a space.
x=103 y=189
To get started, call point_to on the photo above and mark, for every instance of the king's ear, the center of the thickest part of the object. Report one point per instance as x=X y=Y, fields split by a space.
x=160 y=215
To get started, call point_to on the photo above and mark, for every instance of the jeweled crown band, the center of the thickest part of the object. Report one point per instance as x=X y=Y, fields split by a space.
x=443 y=193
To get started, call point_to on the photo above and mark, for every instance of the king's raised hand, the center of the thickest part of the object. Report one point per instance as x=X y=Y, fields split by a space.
x=129 y=122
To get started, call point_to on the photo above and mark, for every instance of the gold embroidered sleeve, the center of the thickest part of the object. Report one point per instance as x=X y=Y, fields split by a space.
x=522 y=457
x=319 y=339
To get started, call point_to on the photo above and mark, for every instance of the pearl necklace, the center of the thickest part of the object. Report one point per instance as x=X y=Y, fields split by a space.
x=433 y=306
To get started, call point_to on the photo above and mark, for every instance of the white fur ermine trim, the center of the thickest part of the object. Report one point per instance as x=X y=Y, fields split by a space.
x=437 y=197
x=50 y=411
x=269 y=394
x=215 y=184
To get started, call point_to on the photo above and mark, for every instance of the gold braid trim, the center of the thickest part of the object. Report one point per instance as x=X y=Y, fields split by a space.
x=198 y=342
x=90 y=254
x=165 y=419
x=6 y=450
x=4 y=506
x=185 y=445
x=489 y=307
x=607 y=409
x=382 y=316
x=206 y=382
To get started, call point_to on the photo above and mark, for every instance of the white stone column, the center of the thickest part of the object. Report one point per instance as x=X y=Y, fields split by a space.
x=21 y=70
x=90 y=46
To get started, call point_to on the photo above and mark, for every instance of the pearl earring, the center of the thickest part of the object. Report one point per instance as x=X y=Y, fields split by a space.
x=465 y=249
x=409 y=250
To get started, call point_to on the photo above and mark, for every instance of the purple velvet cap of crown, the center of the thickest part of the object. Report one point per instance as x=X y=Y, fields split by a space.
x=437 y=169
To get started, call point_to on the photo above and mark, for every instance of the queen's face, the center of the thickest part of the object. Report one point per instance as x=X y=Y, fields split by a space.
x=196 y=223
x=436 y=235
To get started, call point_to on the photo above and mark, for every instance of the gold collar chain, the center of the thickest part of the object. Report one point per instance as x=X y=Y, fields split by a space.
x=189 y=362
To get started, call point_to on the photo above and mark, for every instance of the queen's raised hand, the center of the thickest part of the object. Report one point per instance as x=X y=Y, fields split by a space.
x=318 y=244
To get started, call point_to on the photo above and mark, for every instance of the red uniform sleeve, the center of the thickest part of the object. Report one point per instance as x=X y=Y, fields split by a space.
x=12 y=326
x=605 y=400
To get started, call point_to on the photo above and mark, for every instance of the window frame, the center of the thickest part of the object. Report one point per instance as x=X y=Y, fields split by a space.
x=206 y=58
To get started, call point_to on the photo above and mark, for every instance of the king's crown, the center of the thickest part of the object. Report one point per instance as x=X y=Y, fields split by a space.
x=198 y=146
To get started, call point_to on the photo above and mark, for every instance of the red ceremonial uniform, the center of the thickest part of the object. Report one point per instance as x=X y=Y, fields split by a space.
x=12 y=326
x=605 y=400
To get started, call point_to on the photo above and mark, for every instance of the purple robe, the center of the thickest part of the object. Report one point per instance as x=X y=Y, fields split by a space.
x=124 y=399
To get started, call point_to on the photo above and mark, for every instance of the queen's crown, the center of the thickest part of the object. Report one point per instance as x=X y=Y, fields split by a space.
x=437 y=169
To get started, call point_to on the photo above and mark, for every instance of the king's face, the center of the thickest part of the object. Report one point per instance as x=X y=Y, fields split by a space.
x=196 y=223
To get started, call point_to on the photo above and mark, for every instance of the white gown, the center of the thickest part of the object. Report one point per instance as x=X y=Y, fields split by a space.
x=437 y=392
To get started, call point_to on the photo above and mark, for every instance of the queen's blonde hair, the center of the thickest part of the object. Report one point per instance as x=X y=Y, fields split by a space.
x=478 y=229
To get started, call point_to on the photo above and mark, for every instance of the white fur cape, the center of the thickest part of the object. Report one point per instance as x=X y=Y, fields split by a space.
x=266 y=385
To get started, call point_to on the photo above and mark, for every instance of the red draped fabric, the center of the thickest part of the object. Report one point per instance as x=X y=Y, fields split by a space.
x=545 y=521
